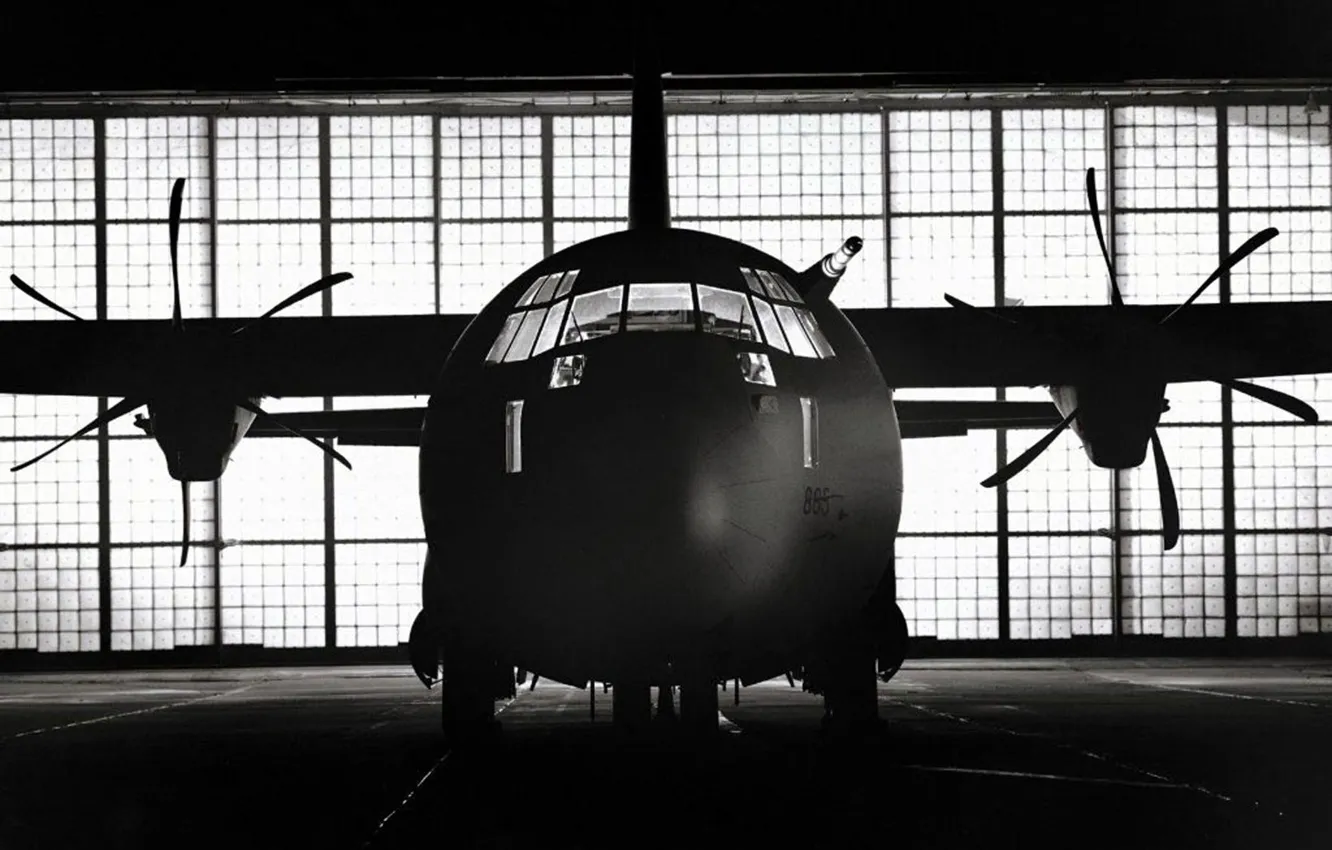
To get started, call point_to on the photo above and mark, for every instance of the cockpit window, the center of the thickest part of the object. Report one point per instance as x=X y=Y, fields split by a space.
x=547 y=290
x=567 y=283
x=660 y=307
x=788 y=291
x=550 y=330
x=772 y=329
x=594 y=314
x=531 y=291
x=527 y=333
x=505 y=338
x=752 y=280
x=772 y=312
x=727 y=312
x=816 y=336
x=800 y=344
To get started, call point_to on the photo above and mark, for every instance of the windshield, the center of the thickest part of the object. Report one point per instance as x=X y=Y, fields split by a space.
x=660 y=307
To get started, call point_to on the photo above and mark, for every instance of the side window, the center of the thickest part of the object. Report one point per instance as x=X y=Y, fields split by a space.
x=754 y=285
x=532 y=291
x=800 y=344
x=593 y=314
x=809 y=420
x=505 y=338
x=550 y=331
x=527 y=332
x=772 y=329
x=726 y=312
x=547 y=290
x=513 y=436
x=811 y=326
x=660 y=307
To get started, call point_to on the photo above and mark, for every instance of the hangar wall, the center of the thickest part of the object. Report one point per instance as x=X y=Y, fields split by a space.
x=434 y=209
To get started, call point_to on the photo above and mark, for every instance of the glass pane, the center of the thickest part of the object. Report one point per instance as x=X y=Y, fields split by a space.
x=531 y=291
x=594 y=314
x=660 y=307
x=756 y=368
x=816 y=336
x=727 y=313
x=752 y=281
x=551 y=329
x=771 y=328
x=522 y=343
x=505 y=337
x=788 y=291
x=800 y=344
x=567 y=371
x=547 y=291
x=567 y=283
x=774 y=291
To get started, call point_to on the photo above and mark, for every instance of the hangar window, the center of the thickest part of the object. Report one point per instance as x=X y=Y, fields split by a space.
x=594 y=314
x=660 y=307
x=728 y=313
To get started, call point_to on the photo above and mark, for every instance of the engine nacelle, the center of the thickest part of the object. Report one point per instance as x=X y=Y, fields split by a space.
x=1115 y=420
x=197 y=433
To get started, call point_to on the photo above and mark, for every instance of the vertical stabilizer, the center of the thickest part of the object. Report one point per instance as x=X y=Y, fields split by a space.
x=649 y=190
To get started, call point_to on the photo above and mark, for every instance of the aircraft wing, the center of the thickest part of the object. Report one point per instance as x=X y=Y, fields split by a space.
x=1041 y=346
x=915 y=347
x=355 y=355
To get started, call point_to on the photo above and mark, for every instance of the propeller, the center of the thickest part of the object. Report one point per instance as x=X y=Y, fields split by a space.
x=1164 y=483
x=128 y=405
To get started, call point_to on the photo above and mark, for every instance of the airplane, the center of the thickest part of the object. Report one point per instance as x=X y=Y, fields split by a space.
x=661 y=457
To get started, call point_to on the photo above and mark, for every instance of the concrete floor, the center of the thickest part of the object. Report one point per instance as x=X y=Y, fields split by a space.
x=995 y=754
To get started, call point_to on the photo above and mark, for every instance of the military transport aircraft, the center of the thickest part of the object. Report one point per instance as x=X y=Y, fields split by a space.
x=662 y=457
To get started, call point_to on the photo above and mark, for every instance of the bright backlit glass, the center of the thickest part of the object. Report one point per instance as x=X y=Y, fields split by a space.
x=660 y=307
x=727 y=313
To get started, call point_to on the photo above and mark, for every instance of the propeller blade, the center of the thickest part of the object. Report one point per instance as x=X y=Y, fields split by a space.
x=962 y=305
x=1253 y=243
x=1166 y=487
x=1115 y=297
x=313 y=289
x=116 y=411
x=37 y=296
x=1022 y=460
x=177 y=196
x=185 y=529
x=1276 y=398
x=327 y=449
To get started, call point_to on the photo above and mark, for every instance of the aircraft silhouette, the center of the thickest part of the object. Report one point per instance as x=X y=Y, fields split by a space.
x=663 y=457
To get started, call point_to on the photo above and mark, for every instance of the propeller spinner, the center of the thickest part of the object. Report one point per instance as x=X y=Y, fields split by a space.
x=173 y=394
x=1169 y=503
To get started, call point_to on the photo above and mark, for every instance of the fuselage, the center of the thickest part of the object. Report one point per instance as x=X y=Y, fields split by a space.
x=643 y=481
